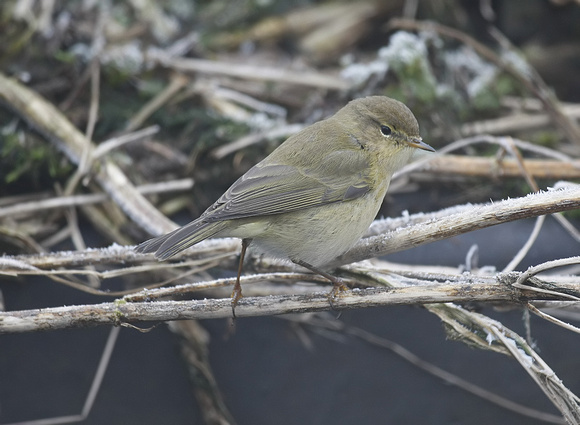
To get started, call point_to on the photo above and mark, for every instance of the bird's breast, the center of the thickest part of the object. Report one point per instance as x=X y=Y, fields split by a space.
x=319 y=235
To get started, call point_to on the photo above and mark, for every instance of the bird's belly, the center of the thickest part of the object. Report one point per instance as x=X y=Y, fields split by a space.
x=317 y=235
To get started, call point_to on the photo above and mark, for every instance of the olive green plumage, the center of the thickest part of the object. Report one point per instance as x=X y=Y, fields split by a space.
x=314 y=196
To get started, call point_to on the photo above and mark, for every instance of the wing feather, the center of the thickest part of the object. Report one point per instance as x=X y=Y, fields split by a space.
x=272 y=188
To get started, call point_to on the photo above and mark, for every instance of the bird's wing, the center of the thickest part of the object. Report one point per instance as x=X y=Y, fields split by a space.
x=272 y=188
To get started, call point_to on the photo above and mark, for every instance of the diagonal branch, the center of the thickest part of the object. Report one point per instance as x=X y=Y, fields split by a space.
x=51 y=123
x=467 y=218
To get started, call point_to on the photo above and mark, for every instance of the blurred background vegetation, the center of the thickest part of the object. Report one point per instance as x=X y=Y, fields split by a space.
x=225 y=82
x=53 y=47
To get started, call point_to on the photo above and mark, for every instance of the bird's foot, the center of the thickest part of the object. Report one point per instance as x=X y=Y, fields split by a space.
x=236 y=296
x=338 y=287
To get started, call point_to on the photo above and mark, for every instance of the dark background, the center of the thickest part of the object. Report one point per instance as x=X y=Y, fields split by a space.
x=265 y=371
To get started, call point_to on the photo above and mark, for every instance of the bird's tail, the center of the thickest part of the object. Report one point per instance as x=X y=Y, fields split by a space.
x=174 y=242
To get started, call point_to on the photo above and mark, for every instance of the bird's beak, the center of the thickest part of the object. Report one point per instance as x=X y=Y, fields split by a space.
x=417 y=142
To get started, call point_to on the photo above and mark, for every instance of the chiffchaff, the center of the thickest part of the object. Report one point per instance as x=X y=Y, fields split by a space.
x=314 y=196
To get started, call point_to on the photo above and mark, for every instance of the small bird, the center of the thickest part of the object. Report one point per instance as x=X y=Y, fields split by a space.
x=314 y=196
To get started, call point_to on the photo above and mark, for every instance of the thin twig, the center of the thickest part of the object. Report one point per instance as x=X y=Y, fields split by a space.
x=250 y=72
x=77 y=200
x=244 y=142
x=43 y=116
x=108 y=145
x=434 y=226
x=478 y=217
x=436 y=371
x=469 y=141
x=176 y=83
x=548 y=265
x=93 y=391
x=515 y=122
x=552 y=319
x=445 y=165
x=541 y=373
x=517 y=259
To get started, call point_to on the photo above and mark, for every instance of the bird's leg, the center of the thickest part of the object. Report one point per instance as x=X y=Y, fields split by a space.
x=339 y=285
x=237 y=292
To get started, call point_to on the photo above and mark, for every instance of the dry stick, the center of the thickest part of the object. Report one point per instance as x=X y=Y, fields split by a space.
x=46 y=119
x=251 y=102
x=93 y=391
x=479 y=330
x=567 y=163
x=55 y=238
x=76 y=236
x=430 y=227
x=509 y=144
x=541 y=373
x=206 y=388
x=446 y=376
x=515 y=122
x=487 y=333
x=517 y=259
x=568 y=226
x=95 y=95
x=77 y=200
x=569 y=310
x=461 y=289
x=114 y=254
x=201 y=264
x=552 y=319
x=23 y=241
x=478 y=217
x=177 y=82
x=548 y=265
x=536 y=84
x=188 y=288
x=244 y=142
x=251 y=72
x=194 y=268
x=507 y=167
x=86 y=162
x=74 y=229
x=492 y=140
x=115 y=142
x=119 y=312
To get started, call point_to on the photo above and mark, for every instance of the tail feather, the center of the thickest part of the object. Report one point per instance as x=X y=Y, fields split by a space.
x=168 y=245
x=151 y=245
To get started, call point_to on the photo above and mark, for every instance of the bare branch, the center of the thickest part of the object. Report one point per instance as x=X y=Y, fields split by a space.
x=121 y=311
x=463 y=220
x=77 y=200
x=251 y=72
x=507 y=167
x=49 y=121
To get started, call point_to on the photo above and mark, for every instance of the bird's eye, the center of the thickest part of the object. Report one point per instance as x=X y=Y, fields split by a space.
x=386 y=130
